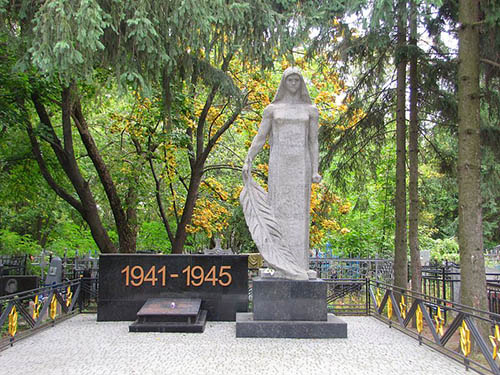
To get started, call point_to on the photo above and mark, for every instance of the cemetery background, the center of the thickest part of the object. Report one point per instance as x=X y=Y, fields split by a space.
x=152 y=145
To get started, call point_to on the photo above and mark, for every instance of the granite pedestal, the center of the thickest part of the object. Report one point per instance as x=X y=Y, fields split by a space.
x=289 y=309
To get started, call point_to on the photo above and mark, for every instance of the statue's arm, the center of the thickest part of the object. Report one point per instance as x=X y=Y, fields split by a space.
x=260 y=139
x=313 y=143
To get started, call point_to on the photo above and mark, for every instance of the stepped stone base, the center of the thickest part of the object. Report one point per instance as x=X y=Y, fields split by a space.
x=289 y=309
x=333 y=327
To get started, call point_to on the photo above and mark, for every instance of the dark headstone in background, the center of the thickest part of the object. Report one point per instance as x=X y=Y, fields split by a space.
x=17 y=284
x=221 y=298
x=55 y=272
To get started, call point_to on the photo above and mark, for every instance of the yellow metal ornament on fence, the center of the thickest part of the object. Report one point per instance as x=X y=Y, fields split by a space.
x=389 y=308
x=13 y=321
x=37 y=306
x=465 y=339
x=402 y=307
x=53 y=307
x=495 y=341
x=69 y=296
x=439 y=322
x=420 y=319
x=378 y=297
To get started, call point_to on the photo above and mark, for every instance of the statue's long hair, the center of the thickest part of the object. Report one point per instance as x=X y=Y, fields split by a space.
x=281 y=93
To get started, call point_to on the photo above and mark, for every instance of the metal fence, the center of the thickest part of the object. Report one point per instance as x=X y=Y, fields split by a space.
x=351 y=268
x=467 y=335
x=444 y=282
x=23 y=314
x=348 y=297
x=13 y=264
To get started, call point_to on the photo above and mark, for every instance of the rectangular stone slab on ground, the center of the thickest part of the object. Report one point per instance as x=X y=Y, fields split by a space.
x=185 y=309
x=170 y=315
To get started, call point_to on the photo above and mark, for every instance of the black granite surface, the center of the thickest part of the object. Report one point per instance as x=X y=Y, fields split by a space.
x=280 y=299
x=118 y=301
x=176 y=326
x=169 y=310
x=333 y=327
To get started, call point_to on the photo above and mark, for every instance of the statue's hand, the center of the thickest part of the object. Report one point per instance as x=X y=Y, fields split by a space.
x=316 y=178
x=246 y=168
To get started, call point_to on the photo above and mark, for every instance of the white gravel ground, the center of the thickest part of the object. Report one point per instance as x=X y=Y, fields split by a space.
x=81 y=345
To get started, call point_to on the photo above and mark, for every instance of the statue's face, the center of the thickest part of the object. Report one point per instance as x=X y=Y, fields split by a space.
x=292 y=83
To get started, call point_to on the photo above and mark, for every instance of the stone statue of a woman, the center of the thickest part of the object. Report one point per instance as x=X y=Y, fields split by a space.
x=279 y=220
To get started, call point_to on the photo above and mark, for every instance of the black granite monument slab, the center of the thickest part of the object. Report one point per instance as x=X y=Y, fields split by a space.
x=170 y=315
x=289 y=309
x=127 y=281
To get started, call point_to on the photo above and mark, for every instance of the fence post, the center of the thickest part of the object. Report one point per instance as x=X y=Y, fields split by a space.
x=368 y=304
x=80 y=295
x=444 y=282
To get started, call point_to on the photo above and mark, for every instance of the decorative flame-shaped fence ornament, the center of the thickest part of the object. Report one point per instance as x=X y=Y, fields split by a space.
x=13 y=321
x=420 y=320
x=53 y=307
x=402 y=307
x=36 y=308
x=69 y=296
x=389 y=308
x=495 y=341
x=465 y=339
x=378 y=297
x=439 y=322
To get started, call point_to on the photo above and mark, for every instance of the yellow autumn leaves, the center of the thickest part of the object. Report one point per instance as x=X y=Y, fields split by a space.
x=325 y=207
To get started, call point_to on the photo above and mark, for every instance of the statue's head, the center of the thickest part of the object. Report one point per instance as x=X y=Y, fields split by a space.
x=291 y=83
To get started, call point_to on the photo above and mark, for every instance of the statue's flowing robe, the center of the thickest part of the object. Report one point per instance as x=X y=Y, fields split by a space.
x=289 y=184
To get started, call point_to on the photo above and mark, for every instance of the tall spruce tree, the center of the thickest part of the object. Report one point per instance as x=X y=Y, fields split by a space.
x=470 y=235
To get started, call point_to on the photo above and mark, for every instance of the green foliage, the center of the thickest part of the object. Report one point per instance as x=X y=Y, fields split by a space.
x=441 y=249
x=69 y=237
x=152 y=236
x=143 y=43
x=12 y=243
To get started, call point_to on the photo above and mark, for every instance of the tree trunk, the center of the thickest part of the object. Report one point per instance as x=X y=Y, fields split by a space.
x=126 y=235
x=470 y=230
x=416 y=267
x=187 y=213
x=400 y=245
x=86 y=206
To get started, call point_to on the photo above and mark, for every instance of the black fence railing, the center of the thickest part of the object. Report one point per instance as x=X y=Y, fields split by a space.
x=13 y=264
x=352 y=268
x=25 y=313
x=464 y=334
x=348 y=297
x=467 y=335
x=444 y=282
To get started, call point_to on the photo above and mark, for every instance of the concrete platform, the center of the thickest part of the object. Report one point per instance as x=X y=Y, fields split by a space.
x=333 y=327
x=82 y=345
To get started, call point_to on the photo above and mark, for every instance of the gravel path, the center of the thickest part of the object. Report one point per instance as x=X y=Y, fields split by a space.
x=81 y=345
